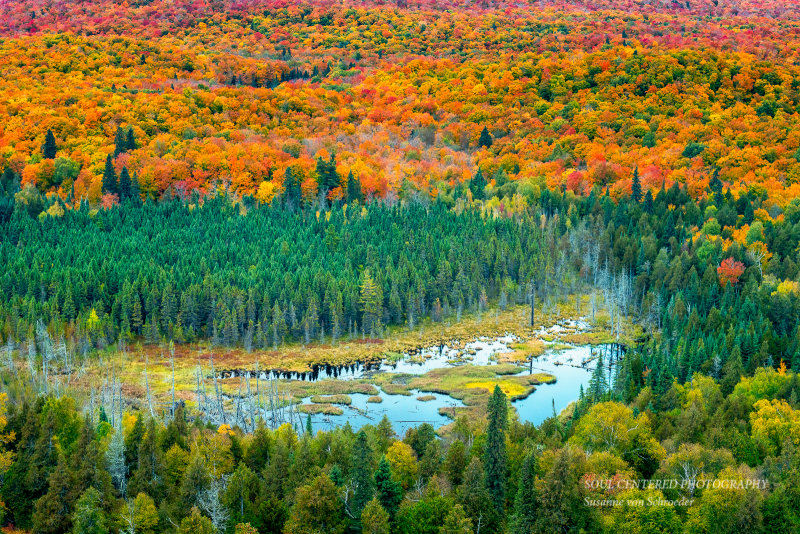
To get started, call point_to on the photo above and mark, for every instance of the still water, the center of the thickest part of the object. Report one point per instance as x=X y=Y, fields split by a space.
x=405 y=411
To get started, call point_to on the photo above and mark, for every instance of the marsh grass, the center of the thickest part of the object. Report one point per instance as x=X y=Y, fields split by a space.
x=316 y=409
x=332 y=399
x=128 y=367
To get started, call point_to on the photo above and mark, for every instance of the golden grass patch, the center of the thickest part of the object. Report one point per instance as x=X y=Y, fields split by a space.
x=325 y=409
x=332 y=399
x=511 y=389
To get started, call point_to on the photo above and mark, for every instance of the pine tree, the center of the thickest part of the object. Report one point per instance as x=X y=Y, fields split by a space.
x=52 y=513
x=476 y=499
x=597 y=384
x=495 y=455
x=132 y=441
x=525 y=503
x=371 y=301
x=135 y=191
x=715 y=184
x=388 y=491
x=49 y=149
x=125 y=186
x=485 y=139
x=120 y=142
x=327 y=176
x=292 y=194
x=636 y=187
x=361 y=474
x=477 y=185
x=148 y=476
x=732 y=371
x=110 y=177
x=130 y=140
x=562 y=508
x=647 y=205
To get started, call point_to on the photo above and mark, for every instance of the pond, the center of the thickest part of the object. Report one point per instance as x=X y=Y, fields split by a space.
x=568 y=365
x=404 y=411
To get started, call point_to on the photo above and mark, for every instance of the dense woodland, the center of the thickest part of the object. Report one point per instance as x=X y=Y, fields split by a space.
x=240 y=91
x=255 y=175
x=706 y=394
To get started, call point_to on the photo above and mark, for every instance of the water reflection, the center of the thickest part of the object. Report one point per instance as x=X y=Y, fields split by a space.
x=569 y=366
x=404 y=411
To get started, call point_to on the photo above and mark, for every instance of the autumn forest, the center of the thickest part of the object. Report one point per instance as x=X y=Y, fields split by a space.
x=399 y=267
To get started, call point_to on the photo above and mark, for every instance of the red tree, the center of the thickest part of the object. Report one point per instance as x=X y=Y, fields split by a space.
x=729 y=271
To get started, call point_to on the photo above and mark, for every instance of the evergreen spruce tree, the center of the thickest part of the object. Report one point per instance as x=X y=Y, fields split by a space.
x=120 y=142
x=148 y=476
x=485 y=139
x=53 y=510
x=371 y=301
x=562 y=508
x=130 y=140
x=9 y=182
x=361 y=474
x=135 y=191
x=477 y=500
x=525 y=503
x=715 y=184
x=49 y=149
x=388 y=490
x=477 y=185
x=110 y=177
x=495 y=454
x=292 y=194
x=598 y=384
x=647 y=205
x=636 y=187
x=732 y=371
x=125 y=184
x=327 y=176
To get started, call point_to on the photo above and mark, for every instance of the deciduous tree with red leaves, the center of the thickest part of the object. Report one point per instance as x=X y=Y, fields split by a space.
x=729 y=271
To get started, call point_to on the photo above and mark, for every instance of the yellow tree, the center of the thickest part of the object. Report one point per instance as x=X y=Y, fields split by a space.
x=403 y=462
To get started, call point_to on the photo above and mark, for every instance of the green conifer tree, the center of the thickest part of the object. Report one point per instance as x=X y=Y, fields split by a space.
x=49 y=148
x=485 y=139
x=636 y=187
x=388 y=490
x=125 y=185
x=110 y=184
x=361 y=474
x=495 y=454
x=477 y=185
x=524 y=519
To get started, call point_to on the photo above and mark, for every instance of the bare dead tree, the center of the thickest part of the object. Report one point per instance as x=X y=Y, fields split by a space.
x=147 y=386
x=211 y=503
